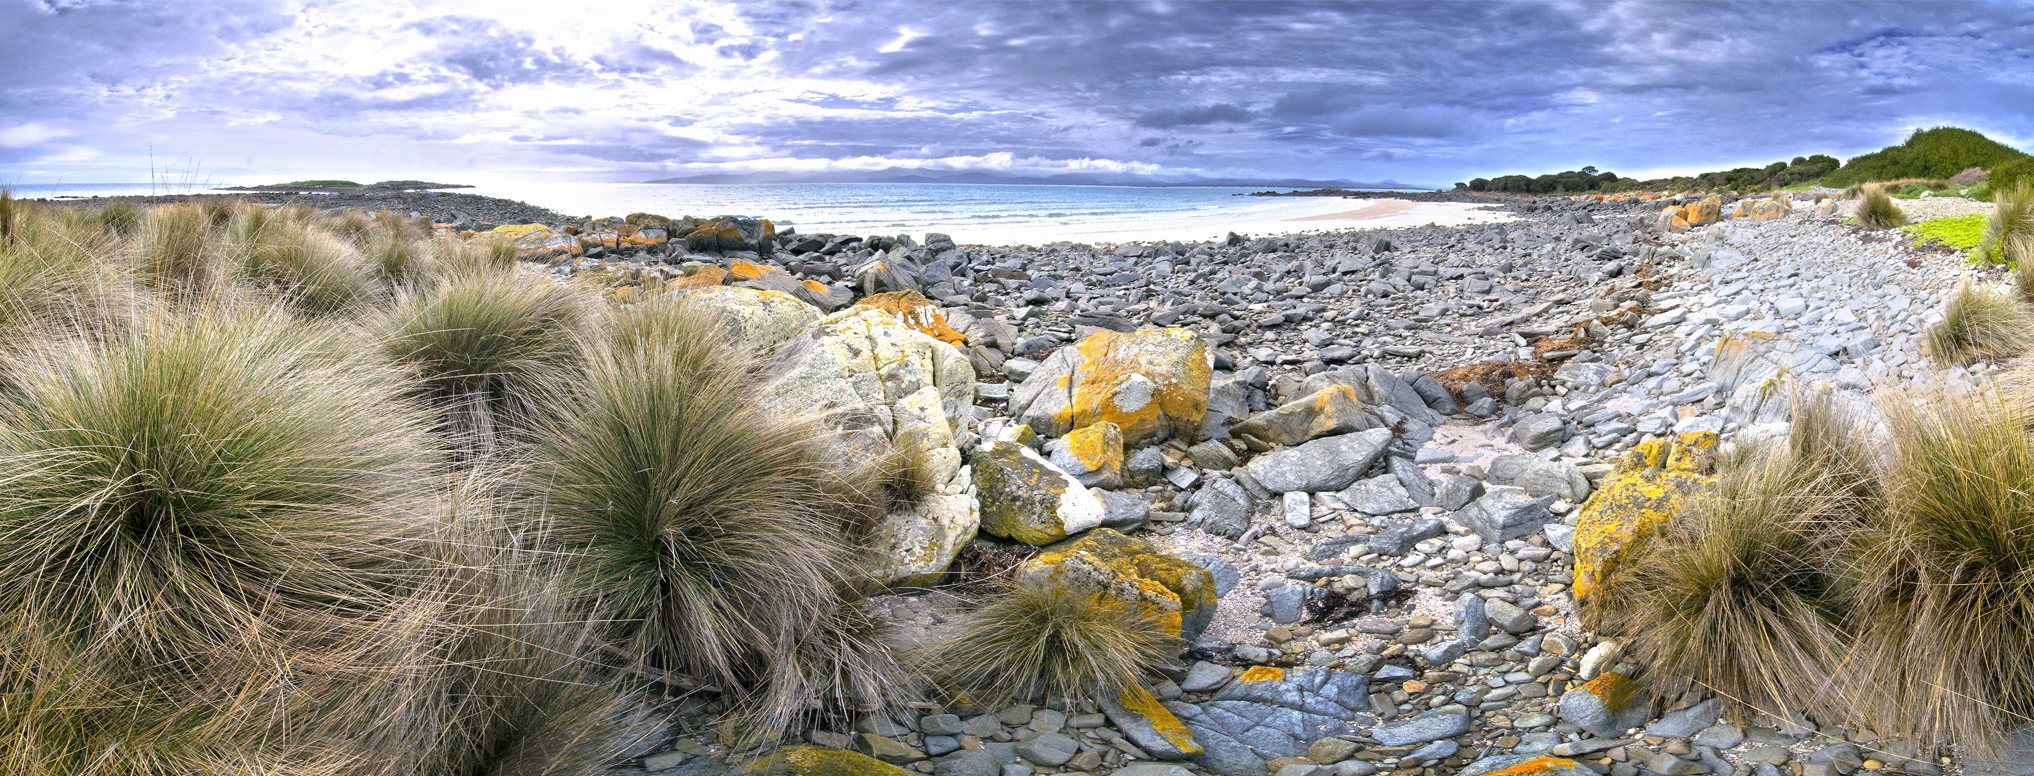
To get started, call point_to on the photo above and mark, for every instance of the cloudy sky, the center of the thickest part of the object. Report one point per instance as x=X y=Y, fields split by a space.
x=1426 y=92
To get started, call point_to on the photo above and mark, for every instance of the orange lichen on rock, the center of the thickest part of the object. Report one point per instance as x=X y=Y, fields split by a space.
x=1537 y=766
x=1262 y=674
x=744 y=269
x=1151 y=383
x=1141 y=702
x=810 y=760
x=701 y=276
x=1646 y=489
x=1172 y=591
x=915 y=310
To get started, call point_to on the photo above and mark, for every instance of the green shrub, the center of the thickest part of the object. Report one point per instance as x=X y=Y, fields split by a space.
x=1030 y=640
x=1876 y=210
x=1980 y=324
x=1930 y=153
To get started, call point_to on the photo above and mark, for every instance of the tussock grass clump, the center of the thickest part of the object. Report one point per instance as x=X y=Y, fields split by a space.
x=1943 y=605
x=693 y=519
x=177 y=252
x=1980 y=324
x=1734 y=595
x=209 y=532
x=487 y=343
x=122 y=216
x=60 y=276
x=312 y=269
x=2012 y=217
x=7 y=215
x=1876 y=209
x=1029 y=640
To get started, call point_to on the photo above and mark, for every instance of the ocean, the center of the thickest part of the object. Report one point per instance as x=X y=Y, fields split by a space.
x=971 y=213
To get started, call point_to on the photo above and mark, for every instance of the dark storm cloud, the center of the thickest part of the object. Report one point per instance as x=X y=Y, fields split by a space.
x=1433 y=92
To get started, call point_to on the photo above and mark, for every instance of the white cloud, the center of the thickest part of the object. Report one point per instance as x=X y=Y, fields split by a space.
x=30 y=134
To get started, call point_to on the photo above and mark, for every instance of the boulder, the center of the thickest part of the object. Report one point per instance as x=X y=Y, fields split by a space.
x=1025 y=498
x=1222 y=507
x=697 y=276
x=1152 y=383
x=1646 y=488
x=1173 y=591
x=917 y=312
x=1326 y=412
x=759 y=320
x=1505 y=513
x=1268 y=713
x=1607 y=705
x=881 y=384
x=537 y=242
x=1763 y=208
x=727 y=234
x=1332 y=463
x=1093 y=455
x=1538 y=476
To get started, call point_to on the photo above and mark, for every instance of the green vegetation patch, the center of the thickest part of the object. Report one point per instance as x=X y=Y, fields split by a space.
x=1962 y=232
x=324 y=184
x=1930 y=153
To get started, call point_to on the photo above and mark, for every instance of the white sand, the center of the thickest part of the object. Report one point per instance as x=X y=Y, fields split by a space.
x=1274 y=216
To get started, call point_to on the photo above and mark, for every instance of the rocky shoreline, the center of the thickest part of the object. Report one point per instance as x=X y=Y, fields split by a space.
x=1411 y=587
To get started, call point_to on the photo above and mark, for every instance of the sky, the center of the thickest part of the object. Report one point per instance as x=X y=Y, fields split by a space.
x=1429 y=92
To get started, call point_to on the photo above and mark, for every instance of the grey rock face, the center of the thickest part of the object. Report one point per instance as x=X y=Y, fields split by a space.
x=1503 y=514
x=1247 y=724
x=1538 y=432
x=1431 y=726
x=1377 y=496
x=1323 y=464
x=1222 y=507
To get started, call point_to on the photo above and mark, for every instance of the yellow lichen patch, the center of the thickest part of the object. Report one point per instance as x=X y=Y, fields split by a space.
x=1152 y=383
x=1141 y=702
x=814 y=286
x=1098 y=447
x=744 y=269
x=1614 y=689
x=1166 y=589
x=1538 y=766
x=518 y=231
x=1646 y=489
x=702 y=276
x=916 y=312
x=809 y=760
x=1255 y=674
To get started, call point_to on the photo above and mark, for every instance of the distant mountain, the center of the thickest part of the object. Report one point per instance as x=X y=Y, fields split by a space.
x=895 y=175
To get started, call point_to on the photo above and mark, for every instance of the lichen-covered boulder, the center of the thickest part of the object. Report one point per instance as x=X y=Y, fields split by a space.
x=881 y=384
x=1149 y=724
x=1151 y=383
x=1270 y=713
x=810 y=760
x=1093 y=455
x=1764 y=208
x=1645 y=489
x=1526 y=765
x=1025 y=498
x=1329 y=411
x=537 y=241
x=1173 y=591
x=1705 y=211
x=917 y=312
x=759 y=320
x=697 y=276
x=1607 y=705
x=728 y=233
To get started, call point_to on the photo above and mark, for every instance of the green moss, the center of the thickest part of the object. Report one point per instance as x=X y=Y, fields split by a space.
x=1962 y=232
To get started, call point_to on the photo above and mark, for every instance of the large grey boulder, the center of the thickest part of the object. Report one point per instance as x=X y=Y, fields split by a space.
x=1332 y=463
x=1268 y=713
x=1505 y=513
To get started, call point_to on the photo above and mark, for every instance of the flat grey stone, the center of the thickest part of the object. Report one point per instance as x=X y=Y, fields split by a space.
x=1472 y=618
x=1325 y=464
x=1687 y=722
x=1399 y=539
x=1204 y=676
x=1378 y=496
x=1050 y=749
x=1222 y=507
x=1504 y=513
x=1431 y=726
x=1286 y=605
x=1538 y=476
x=1539 y=431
